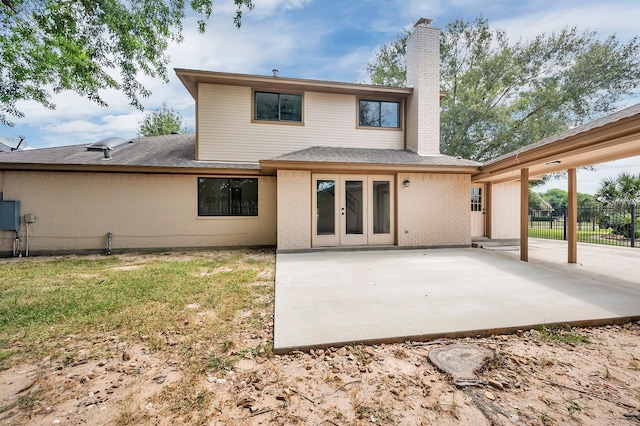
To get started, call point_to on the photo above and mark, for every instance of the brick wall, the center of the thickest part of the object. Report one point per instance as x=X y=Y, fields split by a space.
x=294 y=209
x=505 y=212
x=434 y=210
x=423 y=106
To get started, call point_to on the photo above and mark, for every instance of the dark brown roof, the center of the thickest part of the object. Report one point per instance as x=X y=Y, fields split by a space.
x=175 y=151
x=324 y=154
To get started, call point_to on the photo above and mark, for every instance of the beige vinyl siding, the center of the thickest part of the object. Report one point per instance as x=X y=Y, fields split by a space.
x=226 y=132
x=434 y=210
x=505 y=210
x=294 y=210
x=75 y=211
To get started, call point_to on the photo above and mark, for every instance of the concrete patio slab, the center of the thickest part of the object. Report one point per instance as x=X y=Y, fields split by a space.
x=333 y=298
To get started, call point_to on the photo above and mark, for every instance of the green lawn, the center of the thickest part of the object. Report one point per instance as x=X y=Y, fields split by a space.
x=42 y=302
x=586 y=234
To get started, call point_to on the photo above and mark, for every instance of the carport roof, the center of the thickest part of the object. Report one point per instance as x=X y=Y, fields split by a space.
x=609 y=138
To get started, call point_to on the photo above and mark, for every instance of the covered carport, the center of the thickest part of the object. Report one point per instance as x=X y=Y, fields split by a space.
x=609 y=138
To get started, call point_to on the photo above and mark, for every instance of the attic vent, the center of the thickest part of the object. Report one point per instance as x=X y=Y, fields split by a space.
x=107 y=143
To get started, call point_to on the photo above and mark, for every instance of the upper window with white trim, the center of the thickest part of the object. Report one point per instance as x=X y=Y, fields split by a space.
x=271 y=106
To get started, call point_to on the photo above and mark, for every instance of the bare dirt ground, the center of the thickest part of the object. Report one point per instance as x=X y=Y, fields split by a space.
x=588 y=376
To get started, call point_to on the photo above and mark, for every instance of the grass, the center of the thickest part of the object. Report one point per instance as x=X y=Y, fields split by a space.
x=585 y=235
x=375 y=413
x=562 y=334
x=195 y=298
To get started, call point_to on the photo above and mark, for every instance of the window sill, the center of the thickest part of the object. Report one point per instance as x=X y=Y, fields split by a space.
x=226 y=217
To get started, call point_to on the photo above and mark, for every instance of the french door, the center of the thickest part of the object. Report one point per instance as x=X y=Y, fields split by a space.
x=352 y=210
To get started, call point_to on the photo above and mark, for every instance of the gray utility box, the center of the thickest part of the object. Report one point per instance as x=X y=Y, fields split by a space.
x=9 y=215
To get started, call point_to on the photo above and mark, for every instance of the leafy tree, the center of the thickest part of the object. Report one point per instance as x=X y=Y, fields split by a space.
x=534 y=200
x=390 y=67
x=503 y=95
x=556 y=197
x=623 y=190
x=162 y=121
x=79 y=45
x=587 y=200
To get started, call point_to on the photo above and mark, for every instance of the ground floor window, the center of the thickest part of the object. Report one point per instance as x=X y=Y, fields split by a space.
x=227 y=196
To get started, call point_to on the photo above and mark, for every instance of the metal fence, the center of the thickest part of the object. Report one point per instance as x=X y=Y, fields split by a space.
x=618 y=226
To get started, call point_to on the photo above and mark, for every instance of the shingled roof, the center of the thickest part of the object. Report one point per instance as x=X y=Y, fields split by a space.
x=324 y=154
x=584 y=128
x=170 y=151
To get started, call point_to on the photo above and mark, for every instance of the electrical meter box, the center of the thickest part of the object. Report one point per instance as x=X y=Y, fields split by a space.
x=9 y=215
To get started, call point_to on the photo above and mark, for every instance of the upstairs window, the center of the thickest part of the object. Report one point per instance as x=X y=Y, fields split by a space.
x=227 y=197
x=379 y=114
x=269 y=106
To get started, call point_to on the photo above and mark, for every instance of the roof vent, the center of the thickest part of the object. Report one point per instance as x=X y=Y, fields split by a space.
x=107 y=143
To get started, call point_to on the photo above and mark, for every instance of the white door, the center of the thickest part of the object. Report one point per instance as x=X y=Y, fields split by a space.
x=477 y=211
x=352 y=210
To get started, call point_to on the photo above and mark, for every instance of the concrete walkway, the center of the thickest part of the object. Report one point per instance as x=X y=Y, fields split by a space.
x=333 y=298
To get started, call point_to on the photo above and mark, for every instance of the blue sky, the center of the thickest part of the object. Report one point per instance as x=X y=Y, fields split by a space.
x=319 y=39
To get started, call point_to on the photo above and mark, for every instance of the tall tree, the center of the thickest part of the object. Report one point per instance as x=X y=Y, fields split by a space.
x=163 y=121
x=623 y=190
x=501 y=95
x=79 y=45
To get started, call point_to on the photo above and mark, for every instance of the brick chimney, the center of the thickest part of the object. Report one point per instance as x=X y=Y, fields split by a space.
x=423 y=74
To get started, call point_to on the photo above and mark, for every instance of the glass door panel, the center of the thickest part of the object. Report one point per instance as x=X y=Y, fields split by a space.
x=381 y=206
x=381 y=209
x=326 y=207
x=325 y=202
x=353 y=201
x=354 y=228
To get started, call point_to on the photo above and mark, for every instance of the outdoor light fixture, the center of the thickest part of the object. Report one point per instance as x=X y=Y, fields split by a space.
x=406 y=183
x=550 y=163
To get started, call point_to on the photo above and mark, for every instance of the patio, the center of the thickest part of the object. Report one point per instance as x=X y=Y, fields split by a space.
x=336 y=297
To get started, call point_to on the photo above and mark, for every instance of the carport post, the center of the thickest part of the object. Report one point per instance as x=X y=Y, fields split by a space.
x=572 y=217
x=524 y=214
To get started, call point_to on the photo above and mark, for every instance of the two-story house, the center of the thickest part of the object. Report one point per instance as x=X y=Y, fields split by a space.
x=289 y=162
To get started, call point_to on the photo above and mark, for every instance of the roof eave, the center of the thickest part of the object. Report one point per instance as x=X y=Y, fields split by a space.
x=272 y=166
x=191 y=78
x=117 y=168
x=600 y=141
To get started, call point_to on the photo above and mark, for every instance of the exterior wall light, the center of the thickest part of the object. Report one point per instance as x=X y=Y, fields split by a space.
x=406 y=183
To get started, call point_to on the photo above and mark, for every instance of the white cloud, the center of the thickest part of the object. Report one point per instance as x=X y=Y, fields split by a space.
x=84 y=131
x=268 y=7
x=607 y=18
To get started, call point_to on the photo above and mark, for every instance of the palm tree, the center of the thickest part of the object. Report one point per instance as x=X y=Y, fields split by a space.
x=623 y=190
